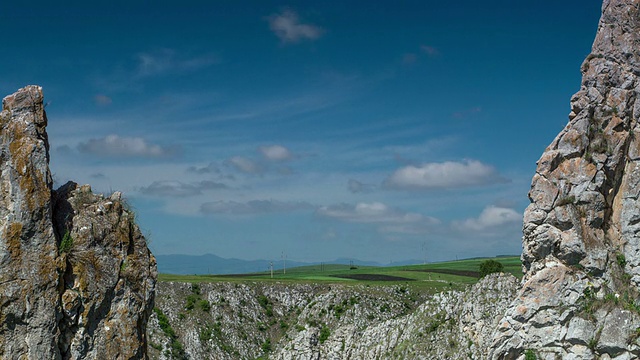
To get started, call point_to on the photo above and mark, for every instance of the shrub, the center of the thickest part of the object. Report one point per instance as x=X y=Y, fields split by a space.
x=191 y=302
x=205 y=305
x=489 y=267
x=176 y=350
x=266 y=346
x=195 y=288
x=621 y=260
x=530 y=355
x=325 y=332
x=66 y=244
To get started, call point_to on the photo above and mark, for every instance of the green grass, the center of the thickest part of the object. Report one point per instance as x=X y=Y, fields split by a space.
x=435 y=276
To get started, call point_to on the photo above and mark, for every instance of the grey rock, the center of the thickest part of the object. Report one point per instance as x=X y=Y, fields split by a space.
x=581 y=243
x=76 y=277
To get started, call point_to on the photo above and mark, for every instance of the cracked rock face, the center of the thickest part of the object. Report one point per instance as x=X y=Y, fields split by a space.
x=581 y=244
x=77 y=280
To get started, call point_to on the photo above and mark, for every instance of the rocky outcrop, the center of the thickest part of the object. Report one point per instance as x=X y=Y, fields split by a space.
x=76 y=277
x=246 y=320
x=581 y=241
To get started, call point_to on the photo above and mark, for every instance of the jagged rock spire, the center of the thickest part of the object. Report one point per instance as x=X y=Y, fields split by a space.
x=581 y=243
x=77 y=280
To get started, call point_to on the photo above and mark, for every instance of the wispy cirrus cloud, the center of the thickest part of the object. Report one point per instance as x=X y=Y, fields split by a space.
x=102 y=100
x=165 y=61
x=355 y=186
x=245 y=165
x=288 y=28
x=117 y=146
x=179 y=189
x=429 y=50
x=253 y=207
x=443 y=175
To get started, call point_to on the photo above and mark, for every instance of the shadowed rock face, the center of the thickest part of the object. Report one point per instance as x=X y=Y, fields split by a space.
x=581 y=244
x=76 y=277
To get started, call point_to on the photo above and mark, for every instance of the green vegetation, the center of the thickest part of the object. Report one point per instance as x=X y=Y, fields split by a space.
x=489 y=267
x=429 y=278
x=266 y=305
x=176 y=351
x=66 y=244
x=621 y=260
x=325 y=332
x=266 y=346
x=530 y=355
x=205 y=305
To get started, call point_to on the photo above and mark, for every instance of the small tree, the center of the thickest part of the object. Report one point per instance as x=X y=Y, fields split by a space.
x=489 y=267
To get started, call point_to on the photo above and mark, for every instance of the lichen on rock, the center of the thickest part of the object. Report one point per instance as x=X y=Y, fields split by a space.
x=88 y=298
x=581 y=244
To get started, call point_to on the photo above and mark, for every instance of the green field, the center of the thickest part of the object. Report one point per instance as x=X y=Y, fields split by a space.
x=433 y=277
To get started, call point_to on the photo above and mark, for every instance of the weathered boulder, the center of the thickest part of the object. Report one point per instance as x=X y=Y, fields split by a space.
x=76 y=277
x=581 y=244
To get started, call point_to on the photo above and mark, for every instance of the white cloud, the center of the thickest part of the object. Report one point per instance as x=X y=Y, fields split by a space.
x=114 y=145
x=275 y=153
x=388 y=218
x=443 y=175
x=179 y=189
x=288 y=28
x=253 y=207
x=491 y=218
x=245 y=165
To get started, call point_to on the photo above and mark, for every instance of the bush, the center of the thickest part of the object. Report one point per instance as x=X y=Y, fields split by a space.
x=489 y=267
x=66 y=244
x=530 y=355
x=205 y=305
x=266 y=346
x=324 y=334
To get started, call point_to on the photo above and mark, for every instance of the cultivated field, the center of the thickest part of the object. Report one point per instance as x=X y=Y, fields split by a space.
x=432 y=277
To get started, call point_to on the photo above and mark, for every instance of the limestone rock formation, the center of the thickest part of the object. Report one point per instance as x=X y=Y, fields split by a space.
x=76 y=277
x=245 y=320
x=581 y=241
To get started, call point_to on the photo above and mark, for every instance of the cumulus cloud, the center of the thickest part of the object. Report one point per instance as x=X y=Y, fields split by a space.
x=491 y=218
x=253 y=207
x=114 y=145
x=356 y=186
x=179 y=189
x=245 y=165
x=289 y=29
x=275 y=153
x=443 y=175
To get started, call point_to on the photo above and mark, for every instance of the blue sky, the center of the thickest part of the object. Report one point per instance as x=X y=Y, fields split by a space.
x=383 y=131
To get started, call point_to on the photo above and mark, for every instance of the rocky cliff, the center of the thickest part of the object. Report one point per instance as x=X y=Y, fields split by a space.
x=298 y=321
x=579 y=298
x=76 y=277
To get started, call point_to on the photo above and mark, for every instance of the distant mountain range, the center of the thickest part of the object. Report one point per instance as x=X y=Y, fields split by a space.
x=212 y=264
